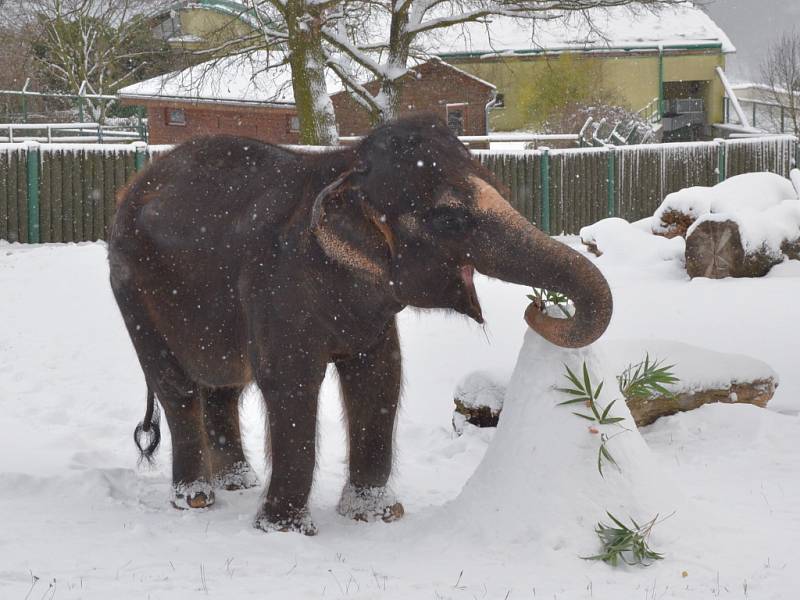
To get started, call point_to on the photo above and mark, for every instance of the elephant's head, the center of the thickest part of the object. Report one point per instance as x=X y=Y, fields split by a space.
x=417 y=214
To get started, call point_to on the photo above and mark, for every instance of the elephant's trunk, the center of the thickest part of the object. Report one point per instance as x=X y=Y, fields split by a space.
x=505 y=245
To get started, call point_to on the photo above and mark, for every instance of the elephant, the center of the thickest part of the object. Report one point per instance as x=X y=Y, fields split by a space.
x=235 y=261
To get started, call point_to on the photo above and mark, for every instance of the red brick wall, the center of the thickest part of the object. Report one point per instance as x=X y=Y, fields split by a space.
x=430 y=88
x=268 y=124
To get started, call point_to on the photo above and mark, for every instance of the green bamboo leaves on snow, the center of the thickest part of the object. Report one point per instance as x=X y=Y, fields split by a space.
x=645 y=379
x=625 y=544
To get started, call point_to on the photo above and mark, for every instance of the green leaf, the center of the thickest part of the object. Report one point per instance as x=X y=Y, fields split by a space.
x=608 y=408
x=598 y=390
x=587 y=417
x=587 y=382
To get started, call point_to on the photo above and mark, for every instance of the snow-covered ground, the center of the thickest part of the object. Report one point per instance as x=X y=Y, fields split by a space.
x=78 y=520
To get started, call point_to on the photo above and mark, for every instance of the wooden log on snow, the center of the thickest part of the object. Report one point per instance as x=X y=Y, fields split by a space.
x=715 y=250
x=647 y=410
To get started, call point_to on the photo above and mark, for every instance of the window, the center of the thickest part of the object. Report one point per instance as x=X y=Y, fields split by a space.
x=176 y=116
x=294 y=124
x=455 y=117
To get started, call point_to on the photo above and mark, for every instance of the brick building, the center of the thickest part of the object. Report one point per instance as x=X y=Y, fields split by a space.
x=239 y=96
x=435 y=87
x=236 y=95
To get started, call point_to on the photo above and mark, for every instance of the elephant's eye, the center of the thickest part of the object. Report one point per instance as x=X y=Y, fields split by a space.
x=448 y=219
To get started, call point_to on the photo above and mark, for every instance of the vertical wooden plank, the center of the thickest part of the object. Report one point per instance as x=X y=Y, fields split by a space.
x=22 y=196
x=4 y=162
x=13 y=194
x=78 y=174
x=102 y=192
x=54 y=157
x=67 y=166
x=45 y=198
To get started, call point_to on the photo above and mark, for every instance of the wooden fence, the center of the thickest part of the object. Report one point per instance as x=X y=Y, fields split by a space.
x=66 y=193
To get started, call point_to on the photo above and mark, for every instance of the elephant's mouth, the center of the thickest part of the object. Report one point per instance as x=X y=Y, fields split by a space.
x=472 y=307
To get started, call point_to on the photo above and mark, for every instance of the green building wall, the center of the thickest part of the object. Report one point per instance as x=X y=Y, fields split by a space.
x=634 y=76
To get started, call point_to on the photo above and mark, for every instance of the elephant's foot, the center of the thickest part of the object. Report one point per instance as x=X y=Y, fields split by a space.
x=298 y=521
x=198 y=494
x=238 y=476
x=370 y=504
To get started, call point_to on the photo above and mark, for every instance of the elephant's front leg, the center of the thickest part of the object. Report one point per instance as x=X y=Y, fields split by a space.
x=290 y=385
x=370 y=383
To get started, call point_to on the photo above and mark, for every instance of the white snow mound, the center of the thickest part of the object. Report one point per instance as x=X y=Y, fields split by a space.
x=743 y=194
x=751 y=192
x=631 y=244
x=539 y=481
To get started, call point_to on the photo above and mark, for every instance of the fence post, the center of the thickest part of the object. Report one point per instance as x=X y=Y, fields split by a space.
x=611 y=181
x=544 y=189
x=32 y=151
x=139 y=155
x=722 y=160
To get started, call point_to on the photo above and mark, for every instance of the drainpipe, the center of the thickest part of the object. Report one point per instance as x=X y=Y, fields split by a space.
x=660 y=81
x=489 y=106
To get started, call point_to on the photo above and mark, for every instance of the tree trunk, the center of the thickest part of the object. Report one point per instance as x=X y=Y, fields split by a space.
x=307 y=61
x=399 y=46
x=715 y=250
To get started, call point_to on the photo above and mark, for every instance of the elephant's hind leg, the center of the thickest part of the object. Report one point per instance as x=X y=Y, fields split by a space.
x=370 y=383
x=229 y=467
x=180 y=398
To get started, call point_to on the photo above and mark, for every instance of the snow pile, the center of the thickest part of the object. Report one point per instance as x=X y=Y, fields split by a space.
x=632 y=244
x=764 y=206
x=539 y=481
x=751 y=192
x=747 y=193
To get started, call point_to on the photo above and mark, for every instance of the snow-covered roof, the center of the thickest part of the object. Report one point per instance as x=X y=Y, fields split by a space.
x=255 y=77
x=621 y=27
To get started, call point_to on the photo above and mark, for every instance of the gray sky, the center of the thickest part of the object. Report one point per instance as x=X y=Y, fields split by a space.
x=751 y=25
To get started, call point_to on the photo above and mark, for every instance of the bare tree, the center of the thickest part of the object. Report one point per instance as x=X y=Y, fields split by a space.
x=384 y=55
x=372 y=40
x=781 y=72
x=92 y=45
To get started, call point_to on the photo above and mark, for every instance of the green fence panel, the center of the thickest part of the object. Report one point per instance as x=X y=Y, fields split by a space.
x=68 y=193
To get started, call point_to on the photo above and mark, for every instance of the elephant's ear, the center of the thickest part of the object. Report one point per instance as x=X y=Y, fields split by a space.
x=350 y=230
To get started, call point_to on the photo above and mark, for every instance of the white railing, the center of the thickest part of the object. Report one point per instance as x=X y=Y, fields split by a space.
x=65 y=133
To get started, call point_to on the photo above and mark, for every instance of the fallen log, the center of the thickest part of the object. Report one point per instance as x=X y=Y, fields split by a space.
x=647 y=410
x=704 y=377
x=715 y=249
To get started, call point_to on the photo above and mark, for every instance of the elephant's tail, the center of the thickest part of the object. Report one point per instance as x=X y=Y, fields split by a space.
x=149 y=429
